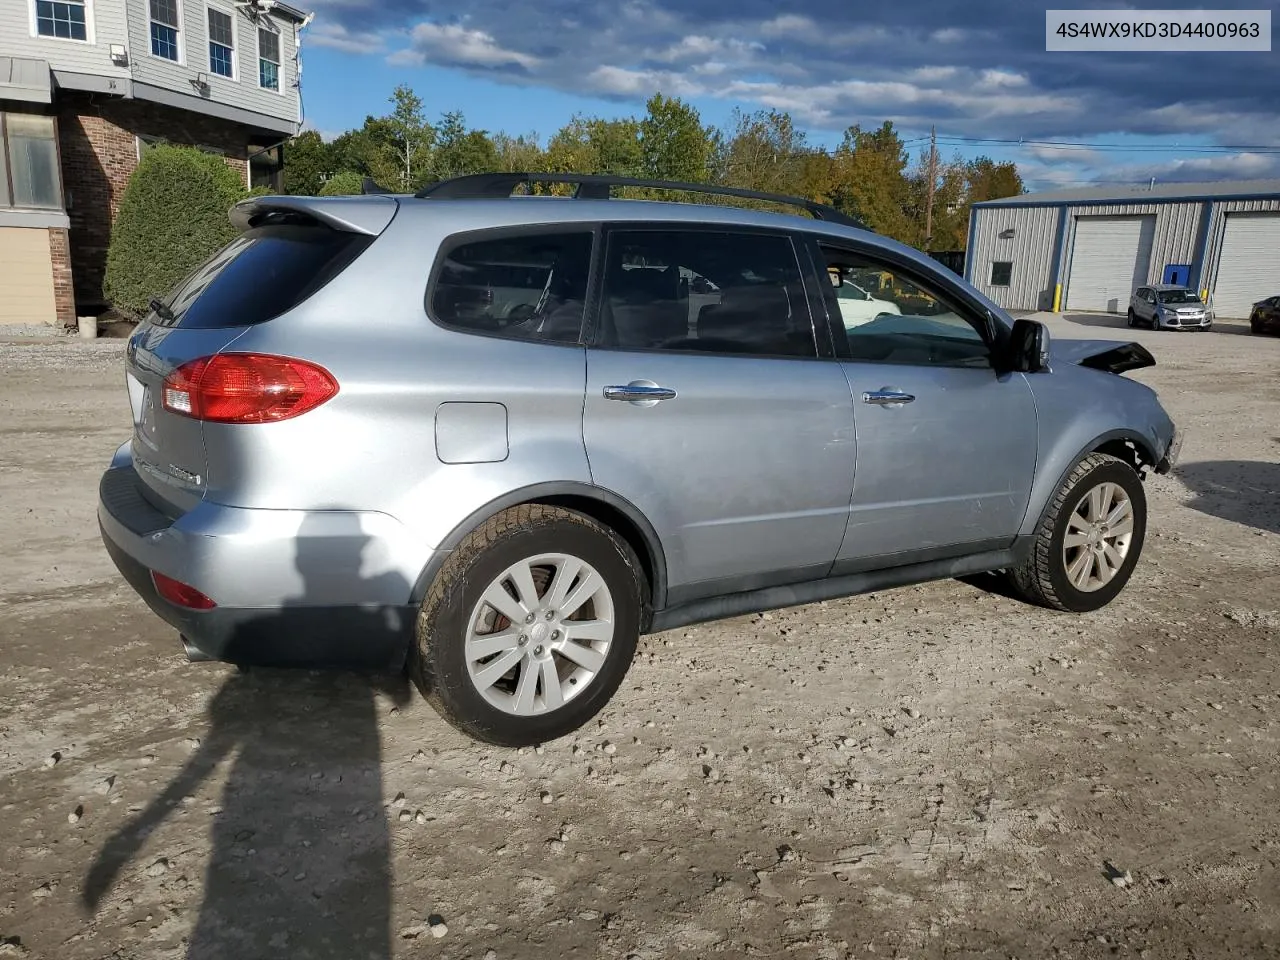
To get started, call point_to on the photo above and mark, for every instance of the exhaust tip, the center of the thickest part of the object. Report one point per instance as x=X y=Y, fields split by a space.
x=194 y=653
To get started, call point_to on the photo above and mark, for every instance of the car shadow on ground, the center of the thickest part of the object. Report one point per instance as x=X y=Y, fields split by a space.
x=1242 y=491
x=299 y=861
x=1096 y=320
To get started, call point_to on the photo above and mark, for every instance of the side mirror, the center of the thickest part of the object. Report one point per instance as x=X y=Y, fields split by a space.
x=1028 y=349
x=837 y=278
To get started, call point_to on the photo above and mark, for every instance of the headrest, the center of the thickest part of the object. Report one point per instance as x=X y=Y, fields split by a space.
x=747 y=313
x=644 y=284
x=764 y=298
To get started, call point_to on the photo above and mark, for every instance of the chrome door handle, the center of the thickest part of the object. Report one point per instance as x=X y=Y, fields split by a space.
x=887 y=398
x=639 y=391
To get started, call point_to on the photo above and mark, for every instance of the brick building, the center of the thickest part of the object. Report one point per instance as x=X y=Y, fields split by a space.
x=86 y=86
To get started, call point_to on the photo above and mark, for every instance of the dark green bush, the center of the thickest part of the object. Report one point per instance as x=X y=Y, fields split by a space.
x=343 y=184
x=173 y=217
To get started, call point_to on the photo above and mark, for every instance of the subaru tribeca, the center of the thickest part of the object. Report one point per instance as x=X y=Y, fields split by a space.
x=492 y=439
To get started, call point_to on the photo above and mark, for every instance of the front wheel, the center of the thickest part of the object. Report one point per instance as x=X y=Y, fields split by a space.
x=1089 y=539
x=1131 y=319
x=530 y=627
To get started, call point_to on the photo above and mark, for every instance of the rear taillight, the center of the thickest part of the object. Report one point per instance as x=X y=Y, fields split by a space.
x=246 y=388
x=180 y=594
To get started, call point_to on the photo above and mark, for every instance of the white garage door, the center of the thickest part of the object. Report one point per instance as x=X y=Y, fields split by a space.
x=26 y=276
x=1249 y=268
x=1109 y=258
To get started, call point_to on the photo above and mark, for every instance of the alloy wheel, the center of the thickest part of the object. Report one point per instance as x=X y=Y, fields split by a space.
x=540 y=634
x=1099 y=532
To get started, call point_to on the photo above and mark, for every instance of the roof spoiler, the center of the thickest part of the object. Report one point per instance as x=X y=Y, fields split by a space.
x=367 y=215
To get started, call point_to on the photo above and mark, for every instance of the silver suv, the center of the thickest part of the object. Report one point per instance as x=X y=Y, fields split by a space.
x=492 y=439
x=1168 y=306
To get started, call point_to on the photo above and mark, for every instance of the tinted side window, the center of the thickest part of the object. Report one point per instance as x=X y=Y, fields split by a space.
x=688 y=290
x=260 y=275
x=530 y=286
x=899 y=319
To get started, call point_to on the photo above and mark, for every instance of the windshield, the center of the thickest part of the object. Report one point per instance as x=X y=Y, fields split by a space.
x=1178 y=296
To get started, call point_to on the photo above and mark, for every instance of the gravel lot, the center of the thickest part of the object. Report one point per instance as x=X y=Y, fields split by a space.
x=930 y=772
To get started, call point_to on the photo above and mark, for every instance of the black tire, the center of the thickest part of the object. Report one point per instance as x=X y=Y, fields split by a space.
x=438 y=660
x=1042 y=578
x=1132 y=320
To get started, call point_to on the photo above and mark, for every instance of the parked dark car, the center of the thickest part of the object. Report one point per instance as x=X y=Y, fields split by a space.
x=1265 y=316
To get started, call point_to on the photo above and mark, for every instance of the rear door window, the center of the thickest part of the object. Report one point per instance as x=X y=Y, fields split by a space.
x=261 y=274
x=725 y=293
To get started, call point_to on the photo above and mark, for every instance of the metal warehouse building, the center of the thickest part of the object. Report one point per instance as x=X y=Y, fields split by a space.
x=1088 y=249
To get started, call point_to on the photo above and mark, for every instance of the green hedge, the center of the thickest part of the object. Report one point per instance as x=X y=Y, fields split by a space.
x=343 y=184
x=173 y=217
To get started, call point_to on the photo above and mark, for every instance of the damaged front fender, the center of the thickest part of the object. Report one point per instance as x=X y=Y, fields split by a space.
x=1111 y=356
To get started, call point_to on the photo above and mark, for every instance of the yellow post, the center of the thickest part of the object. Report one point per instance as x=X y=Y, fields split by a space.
x=1057 y=296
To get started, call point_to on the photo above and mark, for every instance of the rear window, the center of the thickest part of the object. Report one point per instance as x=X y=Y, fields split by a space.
x=526 y=286
x=259 y=275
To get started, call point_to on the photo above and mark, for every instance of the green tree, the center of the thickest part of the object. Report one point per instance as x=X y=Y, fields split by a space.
x=765 y=152
x=307 y=161
x=594 y=145
x=570 y=149
x=870 y=180
x=459 y=151
x=616 y=145
x=173 y=216
x=674 y=145
x=345 y=183
x=408 y=137
x=949 y=207
x=519 y=154
x=988 y=180
x=351 y=150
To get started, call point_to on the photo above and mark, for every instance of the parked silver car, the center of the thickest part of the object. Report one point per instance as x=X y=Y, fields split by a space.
x=1168 y=306
x=493 y=439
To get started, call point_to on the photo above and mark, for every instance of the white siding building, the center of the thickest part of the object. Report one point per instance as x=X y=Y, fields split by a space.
x=87 y=85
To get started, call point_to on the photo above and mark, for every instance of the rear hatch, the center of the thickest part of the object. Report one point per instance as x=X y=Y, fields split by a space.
x=288 y=249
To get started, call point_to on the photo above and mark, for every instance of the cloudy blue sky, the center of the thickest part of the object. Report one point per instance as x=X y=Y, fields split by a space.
x=977 y=69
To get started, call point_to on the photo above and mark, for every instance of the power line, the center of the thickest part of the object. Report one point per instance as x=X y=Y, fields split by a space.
x=1124 y=147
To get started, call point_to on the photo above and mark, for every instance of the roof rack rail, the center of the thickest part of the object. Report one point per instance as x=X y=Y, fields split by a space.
x=594 y=186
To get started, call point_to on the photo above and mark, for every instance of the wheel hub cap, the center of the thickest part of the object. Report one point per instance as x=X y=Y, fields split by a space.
x=539 y=634
x=1099 y=532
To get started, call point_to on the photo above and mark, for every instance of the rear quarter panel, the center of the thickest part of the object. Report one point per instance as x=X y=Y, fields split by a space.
x=374 y=446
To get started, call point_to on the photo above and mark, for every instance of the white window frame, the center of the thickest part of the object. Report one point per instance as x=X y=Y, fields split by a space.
x=182 y=34
x=6 y=194
x=88 y=23
x=257 y=63
x=235 y=47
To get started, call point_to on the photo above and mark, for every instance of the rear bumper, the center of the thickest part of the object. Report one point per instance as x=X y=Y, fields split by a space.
x=290 y=591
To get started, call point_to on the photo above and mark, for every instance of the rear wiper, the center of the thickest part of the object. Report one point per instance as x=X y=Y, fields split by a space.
x=161 y=310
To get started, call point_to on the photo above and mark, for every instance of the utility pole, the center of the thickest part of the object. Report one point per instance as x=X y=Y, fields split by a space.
x=931 y=187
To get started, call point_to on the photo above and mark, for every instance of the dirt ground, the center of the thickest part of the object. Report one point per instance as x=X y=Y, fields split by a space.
x=928 y=772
